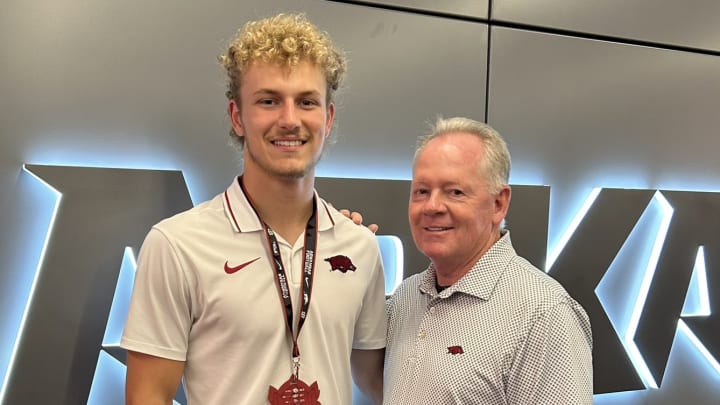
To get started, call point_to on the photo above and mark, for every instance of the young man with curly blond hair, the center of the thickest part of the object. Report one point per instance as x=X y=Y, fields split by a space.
x=264 y=294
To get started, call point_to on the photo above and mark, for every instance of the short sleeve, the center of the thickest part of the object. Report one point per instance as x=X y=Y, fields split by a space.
x=159 y=318
x=554 y=365
x=371 y=326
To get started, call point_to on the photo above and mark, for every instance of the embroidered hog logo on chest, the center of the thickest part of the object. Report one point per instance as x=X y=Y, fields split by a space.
x=455 y=350
x=341 y=263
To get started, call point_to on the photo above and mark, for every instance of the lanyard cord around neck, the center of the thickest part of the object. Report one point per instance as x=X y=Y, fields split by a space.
x=280 y=275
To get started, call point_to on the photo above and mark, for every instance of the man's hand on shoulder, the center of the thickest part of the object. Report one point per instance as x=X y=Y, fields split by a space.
x=357 y=218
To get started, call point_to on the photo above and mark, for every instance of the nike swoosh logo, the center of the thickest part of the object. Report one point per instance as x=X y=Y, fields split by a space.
x=231 y=270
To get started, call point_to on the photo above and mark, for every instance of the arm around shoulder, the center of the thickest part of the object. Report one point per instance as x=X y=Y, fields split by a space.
x=151 y=380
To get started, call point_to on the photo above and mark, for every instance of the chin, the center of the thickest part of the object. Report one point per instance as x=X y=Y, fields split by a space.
x=296 y=174
x=432 y=251
x=292 y=173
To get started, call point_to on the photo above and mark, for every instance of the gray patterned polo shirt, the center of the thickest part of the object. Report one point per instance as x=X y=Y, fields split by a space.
x=505 y=333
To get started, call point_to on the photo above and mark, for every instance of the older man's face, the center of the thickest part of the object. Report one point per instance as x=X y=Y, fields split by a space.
x=453 y=218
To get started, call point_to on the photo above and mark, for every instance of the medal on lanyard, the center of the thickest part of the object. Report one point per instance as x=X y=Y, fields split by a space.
x=294 y=390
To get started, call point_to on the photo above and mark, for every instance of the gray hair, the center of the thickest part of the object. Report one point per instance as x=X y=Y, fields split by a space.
x=495 y=165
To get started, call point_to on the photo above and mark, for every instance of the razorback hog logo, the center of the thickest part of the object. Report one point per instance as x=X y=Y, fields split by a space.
x=455 y=350
x=294 y=392
x=342 y=263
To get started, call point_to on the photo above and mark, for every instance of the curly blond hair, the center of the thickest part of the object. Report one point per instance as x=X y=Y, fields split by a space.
x=285 y=40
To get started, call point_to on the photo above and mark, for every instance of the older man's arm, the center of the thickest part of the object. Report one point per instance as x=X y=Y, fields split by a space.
x=554 y=364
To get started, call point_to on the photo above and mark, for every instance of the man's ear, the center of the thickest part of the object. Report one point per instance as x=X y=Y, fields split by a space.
x=502 y=203
x=235 y=121
x=330 y=118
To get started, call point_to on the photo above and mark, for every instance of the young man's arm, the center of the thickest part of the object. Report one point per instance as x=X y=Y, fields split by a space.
x=151 y=380
x=367 y=371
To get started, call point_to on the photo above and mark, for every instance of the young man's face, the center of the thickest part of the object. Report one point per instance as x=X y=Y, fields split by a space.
x=284 y=118
x=453 y=217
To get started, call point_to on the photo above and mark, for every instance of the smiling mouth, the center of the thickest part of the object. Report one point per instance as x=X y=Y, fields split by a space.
x=436 y=228
x=296 y=142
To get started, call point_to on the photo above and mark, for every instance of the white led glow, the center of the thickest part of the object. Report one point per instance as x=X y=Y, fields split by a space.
x=391 y=247
x=555 y=253
x=698 y=292
x=21 y=329
x=698 y=344
x=121 y=299
x=701 y=271
x=629 y=340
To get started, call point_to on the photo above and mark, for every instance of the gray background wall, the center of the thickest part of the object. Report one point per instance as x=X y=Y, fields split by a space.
x=588 y=94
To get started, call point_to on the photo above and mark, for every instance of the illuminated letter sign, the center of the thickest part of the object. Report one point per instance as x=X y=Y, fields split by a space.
x=695 y=223
x=101 y=211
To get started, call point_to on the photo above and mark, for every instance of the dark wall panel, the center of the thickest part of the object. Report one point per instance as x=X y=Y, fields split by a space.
x=689 y=23
x=580 y=114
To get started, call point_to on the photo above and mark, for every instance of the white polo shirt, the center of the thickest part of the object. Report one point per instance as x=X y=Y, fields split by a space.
x=205 y=294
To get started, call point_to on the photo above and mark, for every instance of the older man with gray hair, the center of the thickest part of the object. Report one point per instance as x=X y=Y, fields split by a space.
x=481 y=325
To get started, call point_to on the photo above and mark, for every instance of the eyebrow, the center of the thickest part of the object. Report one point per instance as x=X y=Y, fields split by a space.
x=305 y=93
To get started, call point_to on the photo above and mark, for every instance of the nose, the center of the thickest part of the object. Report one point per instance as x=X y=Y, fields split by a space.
x=434 y=203
x=289 y=120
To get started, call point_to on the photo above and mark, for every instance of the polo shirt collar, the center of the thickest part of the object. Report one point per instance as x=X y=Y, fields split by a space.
x=242 y=217
x=481 y=280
